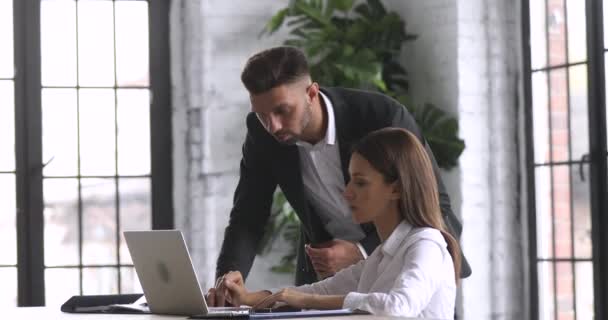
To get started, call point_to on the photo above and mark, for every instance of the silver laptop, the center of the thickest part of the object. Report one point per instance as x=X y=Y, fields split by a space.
x=166 y=274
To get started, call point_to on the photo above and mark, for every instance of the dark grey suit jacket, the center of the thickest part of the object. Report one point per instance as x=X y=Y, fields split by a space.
x=267 y=163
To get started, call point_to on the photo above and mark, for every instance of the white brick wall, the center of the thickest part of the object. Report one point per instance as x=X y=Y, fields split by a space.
x=488 y=58
x=211 y=41
x=464 y=61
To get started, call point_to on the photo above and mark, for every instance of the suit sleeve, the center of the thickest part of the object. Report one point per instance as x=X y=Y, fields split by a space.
x=251 y=209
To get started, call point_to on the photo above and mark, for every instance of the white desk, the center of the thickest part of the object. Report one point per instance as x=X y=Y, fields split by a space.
x=54 y=313
x=44 y=313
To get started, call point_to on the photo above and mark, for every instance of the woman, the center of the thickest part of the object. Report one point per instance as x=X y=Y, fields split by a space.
x=413 y=273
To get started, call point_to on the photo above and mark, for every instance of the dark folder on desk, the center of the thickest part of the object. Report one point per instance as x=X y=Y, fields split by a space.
x=111 y=303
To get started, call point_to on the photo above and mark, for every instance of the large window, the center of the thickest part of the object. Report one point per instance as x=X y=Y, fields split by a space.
x=8 y=207
x=85 y=149
x=566 y=133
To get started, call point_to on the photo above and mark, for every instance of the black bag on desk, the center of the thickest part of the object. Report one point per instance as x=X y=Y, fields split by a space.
x=111 y=303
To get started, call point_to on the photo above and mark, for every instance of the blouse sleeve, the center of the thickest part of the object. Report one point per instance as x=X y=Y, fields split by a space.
x=420 y=277
x=343 y=282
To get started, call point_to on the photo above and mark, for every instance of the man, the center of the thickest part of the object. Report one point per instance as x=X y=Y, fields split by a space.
x=299 y=138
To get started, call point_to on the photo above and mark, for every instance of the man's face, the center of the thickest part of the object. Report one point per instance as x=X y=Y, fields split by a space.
x=285 y=111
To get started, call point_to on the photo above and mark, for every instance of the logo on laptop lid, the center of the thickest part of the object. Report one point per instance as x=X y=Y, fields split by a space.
x=163 y=272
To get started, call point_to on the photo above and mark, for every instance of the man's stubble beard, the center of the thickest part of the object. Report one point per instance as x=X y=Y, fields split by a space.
x=306 y=118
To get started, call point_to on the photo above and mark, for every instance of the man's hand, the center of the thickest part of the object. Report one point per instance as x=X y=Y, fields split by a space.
x=228 y=288
x=332 y=256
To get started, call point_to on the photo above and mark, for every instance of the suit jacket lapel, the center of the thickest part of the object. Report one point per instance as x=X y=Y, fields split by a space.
x=349 y=132
x=345 y=130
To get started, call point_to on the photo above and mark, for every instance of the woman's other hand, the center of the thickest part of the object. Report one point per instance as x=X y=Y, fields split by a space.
x=290 y=296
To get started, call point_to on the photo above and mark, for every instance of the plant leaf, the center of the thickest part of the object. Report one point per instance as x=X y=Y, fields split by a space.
x=377 y=8
x=364 y=11
x=343 y=5
x=313 y=13
x=441 y=132
x=276 y=21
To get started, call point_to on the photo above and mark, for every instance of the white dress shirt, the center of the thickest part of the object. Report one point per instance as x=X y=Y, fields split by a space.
x=324 y=182
x=410 y=275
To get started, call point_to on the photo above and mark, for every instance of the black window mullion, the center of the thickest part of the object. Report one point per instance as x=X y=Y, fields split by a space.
x=28 y=150
x=160 y=116
x=597 y=145
x=597 y=160
x=563 y=65
x=563 y=163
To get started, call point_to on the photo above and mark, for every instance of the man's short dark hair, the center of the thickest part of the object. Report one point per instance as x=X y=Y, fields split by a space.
x=274 y=67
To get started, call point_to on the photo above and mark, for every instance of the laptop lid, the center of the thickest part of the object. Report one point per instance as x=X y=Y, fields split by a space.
x=165 y=271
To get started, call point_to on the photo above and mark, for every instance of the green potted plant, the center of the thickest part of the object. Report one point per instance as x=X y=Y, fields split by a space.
x=356 y=46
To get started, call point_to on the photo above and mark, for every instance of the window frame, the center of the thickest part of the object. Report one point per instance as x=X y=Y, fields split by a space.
x=28 y=139
x=597 y=150
x=597 y=161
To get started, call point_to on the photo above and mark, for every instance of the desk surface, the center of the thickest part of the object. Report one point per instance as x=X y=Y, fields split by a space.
x=55 y=313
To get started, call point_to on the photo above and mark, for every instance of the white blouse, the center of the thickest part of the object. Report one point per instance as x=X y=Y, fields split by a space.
x=411 y=275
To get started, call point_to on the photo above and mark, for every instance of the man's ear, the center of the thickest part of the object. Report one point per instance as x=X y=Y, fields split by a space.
x=313 y=91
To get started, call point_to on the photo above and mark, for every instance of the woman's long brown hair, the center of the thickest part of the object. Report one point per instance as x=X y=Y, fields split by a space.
x=399 y=156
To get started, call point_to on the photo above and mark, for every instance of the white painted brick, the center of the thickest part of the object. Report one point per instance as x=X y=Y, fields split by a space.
x=223 y=139
x=195 y=152
x=211 y=41
x=239 y=8
x=225 y=90
x=500 y=284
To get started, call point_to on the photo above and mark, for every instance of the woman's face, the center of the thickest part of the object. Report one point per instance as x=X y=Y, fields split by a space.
x=369 y=196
